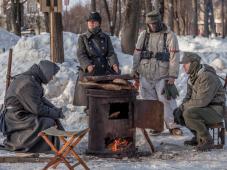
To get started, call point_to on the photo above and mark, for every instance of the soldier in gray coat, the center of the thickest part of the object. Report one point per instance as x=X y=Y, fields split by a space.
x=156 y=62
x=204 y=102
x=95 y=54
x=28 y=112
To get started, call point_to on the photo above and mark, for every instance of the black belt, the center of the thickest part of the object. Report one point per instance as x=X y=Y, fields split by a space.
x=217 y=103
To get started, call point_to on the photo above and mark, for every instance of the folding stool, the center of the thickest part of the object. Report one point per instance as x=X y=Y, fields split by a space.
x=217 y=132
x=74 y=138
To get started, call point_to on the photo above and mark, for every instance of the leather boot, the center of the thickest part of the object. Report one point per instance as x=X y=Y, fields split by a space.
x=192 y=142
x=205 y=144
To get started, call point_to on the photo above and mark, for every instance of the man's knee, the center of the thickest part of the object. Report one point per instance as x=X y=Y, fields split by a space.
x=190 y=113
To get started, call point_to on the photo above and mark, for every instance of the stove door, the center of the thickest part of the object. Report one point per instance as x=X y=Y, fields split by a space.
x=149 y=114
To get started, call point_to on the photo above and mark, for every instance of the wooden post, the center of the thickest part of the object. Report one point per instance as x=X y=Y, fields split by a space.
x=52 y=32
x=8 y=75
x=144 y=132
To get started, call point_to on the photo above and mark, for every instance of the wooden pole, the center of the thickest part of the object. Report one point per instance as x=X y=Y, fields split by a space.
x=52 y=32
x=8 y=75
x=146 y=136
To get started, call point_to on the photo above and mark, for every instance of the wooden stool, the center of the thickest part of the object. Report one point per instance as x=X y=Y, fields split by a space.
x=74 y=138
x=217 y=132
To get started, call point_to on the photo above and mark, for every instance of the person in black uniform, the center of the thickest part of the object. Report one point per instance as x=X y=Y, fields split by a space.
x=95 y=54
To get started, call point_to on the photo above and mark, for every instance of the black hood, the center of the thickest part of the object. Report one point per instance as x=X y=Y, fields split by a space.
x=44 y=71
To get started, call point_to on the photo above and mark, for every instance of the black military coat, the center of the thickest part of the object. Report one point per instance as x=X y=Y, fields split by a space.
x=94 y=49
x=28 y=111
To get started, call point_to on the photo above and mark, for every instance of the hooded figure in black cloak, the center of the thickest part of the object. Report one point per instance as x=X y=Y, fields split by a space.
x=27 y=110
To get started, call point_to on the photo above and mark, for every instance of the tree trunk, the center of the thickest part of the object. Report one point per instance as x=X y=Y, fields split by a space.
x=156 y=4
x=47 y=21
x=176 y=17
x=168 y=13
x=112 y=23
x=119 y=18
x=130 y=27
x=194 y=18
x=206 y=17
x=93 y=5
x=223 y=18
x=16 y=17
x=211 y=16
x=162 y=8
x=148 y=6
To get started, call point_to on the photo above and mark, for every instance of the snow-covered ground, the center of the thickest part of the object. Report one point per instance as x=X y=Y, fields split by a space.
x=171 y=154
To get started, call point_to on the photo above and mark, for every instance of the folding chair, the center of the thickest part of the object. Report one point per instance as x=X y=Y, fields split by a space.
x=74 y=138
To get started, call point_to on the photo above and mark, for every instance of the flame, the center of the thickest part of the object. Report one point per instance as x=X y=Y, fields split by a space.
x=118 y=145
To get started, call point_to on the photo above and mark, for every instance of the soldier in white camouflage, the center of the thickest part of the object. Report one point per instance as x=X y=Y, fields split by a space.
x=156 y=62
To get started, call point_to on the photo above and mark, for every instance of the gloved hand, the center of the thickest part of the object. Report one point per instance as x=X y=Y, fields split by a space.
x=169 y=91
x=178 y=116
x=60 y=113
x=136 y=84
x=135 y=74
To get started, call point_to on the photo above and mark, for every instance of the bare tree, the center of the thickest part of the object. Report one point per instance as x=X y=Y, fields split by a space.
x=176 y=17
x=16 y=17
x=148 y=6
x=206 y=18
x=112 y=21
x=156 y=4
x=195 y=18
x=211 y=17
x=47 y=21
x=119 y=18
x=223 y=18
x=130 y=28
x=168 y=13
x=93 y=5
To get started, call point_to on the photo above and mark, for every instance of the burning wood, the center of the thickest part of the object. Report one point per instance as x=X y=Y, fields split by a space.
x=118 y=144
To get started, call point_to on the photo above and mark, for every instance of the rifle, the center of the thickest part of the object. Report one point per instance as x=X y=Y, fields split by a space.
x=8 y=74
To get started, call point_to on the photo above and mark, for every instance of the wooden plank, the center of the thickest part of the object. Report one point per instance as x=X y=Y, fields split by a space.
x=16 y=159
x=106 y=78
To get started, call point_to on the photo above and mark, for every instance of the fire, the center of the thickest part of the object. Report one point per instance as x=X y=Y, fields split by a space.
x=118 y=145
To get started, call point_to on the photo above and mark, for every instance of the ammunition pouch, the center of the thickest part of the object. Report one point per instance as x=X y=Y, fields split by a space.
x=162 y=56
x=147 y=55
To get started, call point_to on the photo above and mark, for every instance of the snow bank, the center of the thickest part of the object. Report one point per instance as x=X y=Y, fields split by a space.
x=7 y=39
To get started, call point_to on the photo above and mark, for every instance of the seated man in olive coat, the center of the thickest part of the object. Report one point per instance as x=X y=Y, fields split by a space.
x=204 y=102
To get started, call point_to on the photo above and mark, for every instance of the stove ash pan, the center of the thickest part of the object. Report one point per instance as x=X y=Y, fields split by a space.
x=113 y=116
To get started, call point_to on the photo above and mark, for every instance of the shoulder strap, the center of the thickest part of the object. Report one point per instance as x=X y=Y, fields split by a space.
x=146 y=41
x=165 y=49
